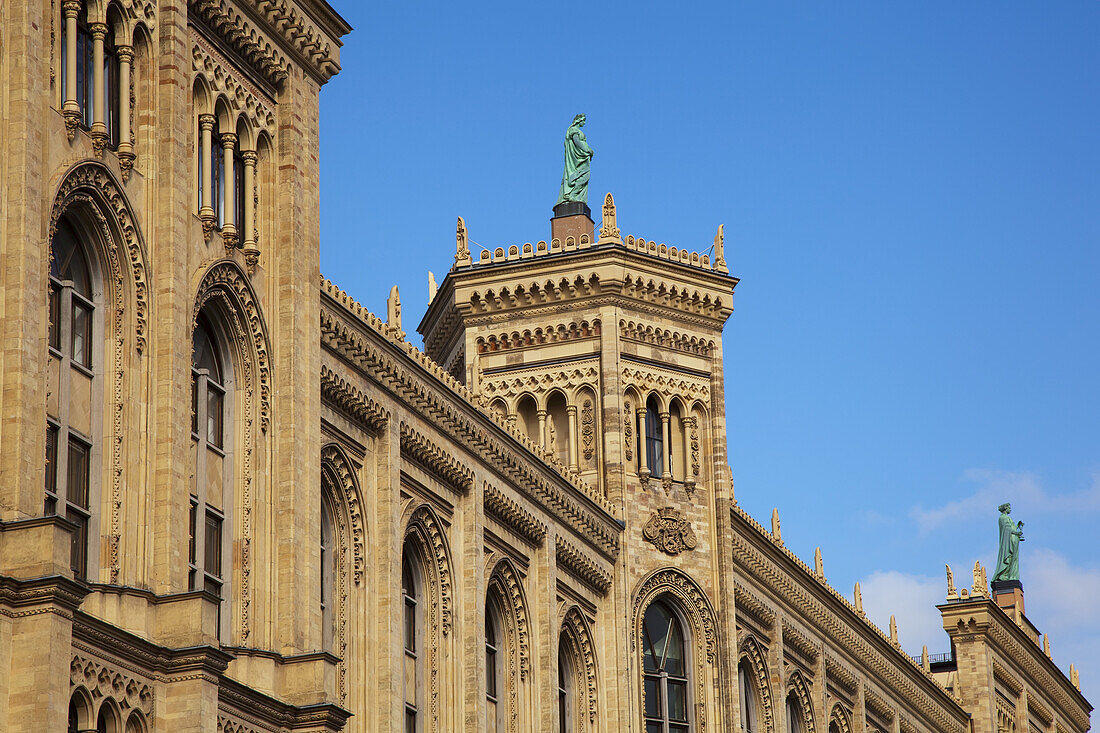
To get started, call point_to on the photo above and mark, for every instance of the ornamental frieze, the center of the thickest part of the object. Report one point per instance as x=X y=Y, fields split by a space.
x=542 y=379
x=669 y=531
x=666 y=381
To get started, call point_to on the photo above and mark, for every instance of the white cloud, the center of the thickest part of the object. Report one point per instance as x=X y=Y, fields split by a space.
x=912 y=600
x=1022 y=489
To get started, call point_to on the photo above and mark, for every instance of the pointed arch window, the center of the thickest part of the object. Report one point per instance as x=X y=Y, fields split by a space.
x=665 y=671
x=748 y=698
x=493 y=675
x=217 y=172
x=654 y=439
x=566 y=696
x=111 y=92
x=211 y=497
x=70 y=435
x=794 y=714
x=413 y=628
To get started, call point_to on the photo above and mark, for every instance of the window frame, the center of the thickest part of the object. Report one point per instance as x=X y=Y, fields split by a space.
x=662 y=679
x=654 y=441
x=414 y=639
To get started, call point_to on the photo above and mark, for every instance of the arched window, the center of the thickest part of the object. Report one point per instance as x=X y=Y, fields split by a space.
x=413 y=640
x=328 y=573
x=493 y=676
x=654 y=439
x=665 y=671
x=84 y=83
x=111 y=91
x=566 y=700
x=107 y=721
x=211 y=497
x=217 y=172
x=748 y=698
x=69 y=404
x=794 y=714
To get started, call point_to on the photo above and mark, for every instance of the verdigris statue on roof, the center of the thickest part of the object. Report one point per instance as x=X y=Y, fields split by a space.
x=1011 y=534
x=578 y=156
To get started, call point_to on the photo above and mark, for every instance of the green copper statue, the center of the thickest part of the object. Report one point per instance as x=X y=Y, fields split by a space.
x=574 y=182
x=1008 y=553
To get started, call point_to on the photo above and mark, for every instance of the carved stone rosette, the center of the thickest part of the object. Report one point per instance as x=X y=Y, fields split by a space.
x=669 y=531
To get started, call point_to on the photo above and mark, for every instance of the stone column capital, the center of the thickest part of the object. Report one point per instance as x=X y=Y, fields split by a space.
x=71 y=8
x=206 y=121
x=249 y=157
x=125 y=54
x=98 y=31
x=571 y=409
x=665 y=417
x=229 y=140
x=541 y=413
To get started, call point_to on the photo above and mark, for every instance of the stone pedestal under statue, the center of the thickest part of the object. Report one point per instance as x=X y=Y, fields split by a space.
x=1009 y=595
x=572 y=219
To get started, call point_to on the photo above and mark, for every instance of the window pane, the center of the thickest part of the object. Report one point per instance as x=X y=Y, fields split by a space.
x=491 y=672
x=215 y=400
x=78 y=474
x=410 y=721
x=51 y=459
x=654 y=728
x=652 y=697
x=78 y=559
x=213 y=559
x=677 y=701
x=192 y=527
x=82 y=334
x=194 y=403
x=410 y=625
x=674 y=655
x=55 y=317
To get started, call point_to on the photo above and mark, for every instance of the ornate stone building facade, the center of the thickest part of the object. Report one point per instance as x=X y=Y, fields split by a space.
x=232 y=499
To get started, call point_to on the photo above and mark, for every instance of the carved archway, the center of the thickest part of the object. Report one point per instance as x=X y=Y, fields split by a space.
x=576 y=629
x=797 y=685
x=515 y=602
x=754 y=656
x=348 y=496
x=696 y=608
x=841 y=717
x=89 y=192
x=226 y=287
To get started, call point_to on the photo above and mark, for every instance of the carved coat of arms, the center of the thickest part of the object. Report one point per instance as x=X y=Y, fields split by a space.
x=670 y=531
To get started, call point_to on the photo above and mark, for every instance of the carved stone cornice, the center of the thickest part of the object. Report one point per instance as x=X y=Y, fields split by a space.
x=657 y=336
x=222 y=76
x=511 y=514
x=666 y=381
x=539 y=380
x=434 y=458
x=878 y=705
x=357 y=337
x=538 y=336
x=752 y=605
x=573 y=559
x=28 y=597
x=839 y=673
x=798 y=641
x=345 y=397
x=236 y=699
x=838 y=622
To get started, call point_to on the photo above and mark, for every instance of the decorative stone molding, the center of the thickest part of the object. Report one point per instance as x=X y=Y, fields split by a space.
x=696 y=607
x=541 y=380
x=667 y=382
x=751 y=652
x=575 y=561
x=435 y=459
x=669 y=531
x=609 y=229
x=345 y=397
x=657 y=336
x=796 y=683
x=798 y=641
x=588 y=429
x=511 y=591
x=576 y=629
x=509 y=512
x=351 y=498
x=878 y=705
x=101 y=680
x=425 y=525
x=842 y=718
x=628 y=430
x=89 y=191
x=838 y=672
x=243 y=96
x=752 y=605
x=538 y=337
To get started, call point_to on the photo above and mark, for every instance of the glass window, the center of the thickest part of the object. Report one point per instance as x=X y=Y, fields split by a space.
x=413 y=642
x=217 y=173
x=748 y=698
x=328 y=572
x=664 y=667
x=565 y=694
x=68 y=488
x=654 y=439
x=110 y=87
x=794 y=714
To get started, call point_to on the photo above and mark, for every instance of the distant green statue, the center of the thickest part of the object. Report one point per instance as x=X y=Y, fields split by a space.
x=578 y=156
x=1008 y=552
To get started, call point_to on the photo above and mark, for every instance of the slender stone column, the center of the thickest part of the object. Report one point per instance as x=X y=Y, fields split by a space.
x=666 y=446
x=206 y=209
x=99 y=117
x=540 y=441
x=70 y=108
x=643 y=458
x=689 y=475
x=229 y=194
x=125 y=146
x=571 y=410
x=250 y=247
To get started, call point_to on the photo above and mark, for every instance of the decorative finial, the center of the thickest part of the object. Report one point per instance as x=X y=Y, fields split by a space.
x=819 y=565
x=432 y=287
x=980 y=587
x=777 y=532
x=893 y=629
x=858 y=596
x=952 y=591
x=462 y=255
x=720 y=249
x=609 y=227
x=1075 y=676
x=1010 y=534
x=1046 y=646
x=924 y=662
x=393 y=314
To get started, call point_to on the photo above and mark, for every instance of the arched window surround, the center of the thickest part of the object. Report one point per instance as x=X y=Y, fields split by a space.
x=752 y=658
x=700 y=624
x=575 y=644
x=505 y=598
x=667 y=704
x=798 y=692
x=90 y=196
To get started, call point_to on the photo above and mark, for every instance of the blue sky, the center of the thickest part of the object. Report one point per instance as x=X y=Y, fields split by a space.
x=910 y=198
